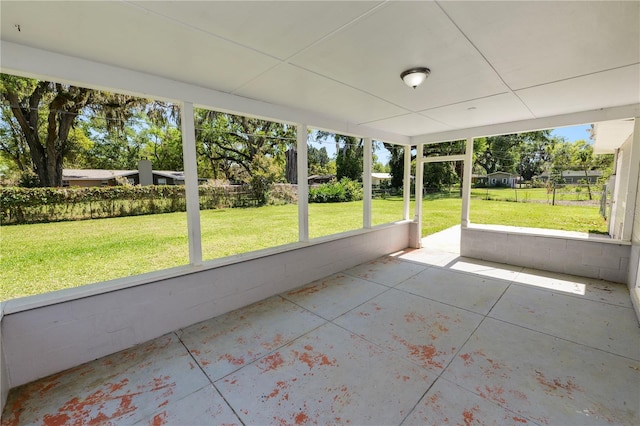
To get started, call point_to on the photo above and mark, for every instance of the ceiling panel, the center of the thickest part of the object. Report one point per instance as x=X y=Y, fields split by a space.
x=409 y=124
x=371 y=53
x=276 y=28
x=601 y=90
x=480 y=112
x=342 y=60
x=295 y=87
x=531 y=43
x=139 y=41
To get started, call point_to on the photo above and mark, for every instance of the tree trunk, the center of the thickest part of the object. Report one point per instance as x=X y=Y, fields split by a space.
x=586 y=178
x=291 y=169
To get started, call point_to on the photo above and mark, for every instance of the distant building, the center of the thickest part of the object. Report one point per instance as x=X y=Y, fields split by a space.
x=575 y=176
x=143 y=176
x=503 y=179
x=320 y=179
x=378 y=178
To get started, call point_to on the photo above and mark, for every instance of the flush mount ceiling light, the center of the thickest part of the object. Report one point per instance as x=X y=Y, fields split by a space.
x=415 y=76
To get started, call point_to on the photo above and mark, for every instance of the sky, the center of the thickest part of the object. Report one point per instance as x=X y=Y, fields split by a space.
x=573 y=133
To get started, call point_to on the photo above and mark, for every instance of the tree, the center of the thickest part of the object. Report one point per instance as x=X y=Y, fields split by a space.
x=46 y=113
x=583 y=159
x=562 y=157
x=47 y=142
x=242 y=149
x=534 y=155
x=522 y=153
x=318 y=160
x=396 y=164
x=13 y=144
x=349 y=155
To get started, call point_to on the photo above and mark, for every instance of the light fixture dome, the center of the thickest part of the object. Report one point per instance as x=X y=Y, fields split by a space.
x=415 y=76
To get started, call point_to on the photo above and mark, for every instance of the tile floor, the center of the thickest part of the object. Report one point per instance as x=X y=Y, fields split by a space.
x=419 y=337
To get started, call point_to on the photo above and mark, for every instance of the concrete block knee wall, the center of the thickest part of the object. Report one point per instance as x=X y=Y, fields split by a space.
x=593 y=258
x=45 y=340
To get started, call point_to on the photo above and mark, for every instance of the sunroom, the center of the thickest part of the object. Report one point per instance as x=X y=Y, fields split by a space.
x=377 y=325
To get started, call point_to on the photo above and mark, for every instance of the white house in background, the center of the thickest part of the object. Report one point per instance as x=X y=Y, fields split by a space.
x=378 y=178
x=145 y=175
x=575 y=176
x=502 y=179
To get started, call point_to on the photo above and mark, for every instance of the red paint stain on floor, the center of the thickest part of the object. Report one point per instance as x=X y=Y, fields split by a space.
x=117 y=386
x=468 y=360
x=424 y=353
x=552 y=386
x=56 y=420
x=494 y=393
x=301 y=418
x=519 y=419
x=272 y=362
x=414 y=317
x=313 y=359
x=159 y=419
x=231 y=359
x=468 y=417
x=280 y=390
x=278 y=340
x=441 y=327
x=305 y=290
x=521 y=396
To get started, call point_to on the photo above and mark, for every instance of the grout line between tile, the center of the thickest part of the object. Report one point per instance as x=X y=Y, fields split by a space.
x=575 y=296
x=563 y=338
x=207 y=376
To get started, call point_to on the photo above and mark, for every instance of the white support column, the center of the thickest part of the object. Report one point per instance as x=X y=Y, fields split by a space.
x=632 y=185
x=367 y=167
x=303 y=183
x=466 y=183
x=415 y=230
x=191 y=183
x=419 y=179
x=406 y=186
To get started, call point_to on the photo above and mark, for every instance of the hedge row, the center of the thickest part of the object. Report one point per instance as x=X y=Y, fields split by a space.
x=33 y=205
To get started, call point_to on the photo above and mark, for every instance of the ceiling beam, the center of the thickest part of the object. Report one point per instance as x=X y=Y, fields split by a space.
x=552 y=122
x=45 y=65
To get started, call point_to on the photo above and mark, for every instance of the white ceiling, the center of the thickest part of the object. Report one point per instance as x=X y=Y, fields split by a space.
x=491 y=62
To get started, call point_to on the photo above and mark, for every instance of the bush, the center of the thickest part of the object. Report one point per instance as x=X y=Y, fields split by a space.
x=336 y=192
x=282 y=194
x=32 y=205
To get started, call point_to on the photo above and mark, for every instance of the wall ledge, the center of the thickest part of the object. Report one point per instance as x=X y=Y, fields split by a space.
x=549 y=233
x=572 y=253
x=26 y=303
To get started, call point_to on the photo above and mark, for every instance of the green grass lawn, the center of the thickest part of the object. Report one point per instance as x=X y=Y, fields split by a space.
x=40 y=258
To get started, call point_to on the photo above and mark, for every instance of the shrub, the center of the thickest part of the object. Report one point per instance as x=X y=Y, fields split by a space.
x=282 y=194
x=336 y=192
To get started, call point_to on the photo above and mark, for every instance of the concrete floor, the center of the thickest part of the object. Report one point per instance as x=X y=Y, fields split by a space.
x=418 y=337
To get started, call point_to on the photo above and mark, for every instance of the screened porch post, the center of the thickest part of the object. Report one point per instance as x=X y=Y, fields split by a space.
x=466 y=183
x=303 y=183
x=191 y=183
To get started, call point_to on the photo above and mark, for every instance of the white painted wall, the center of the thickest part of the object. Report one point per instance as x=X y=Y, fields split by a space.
x=595 y=258
x=621 y=186
x=4 y=374
x=633 y=279
x=48 y=339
